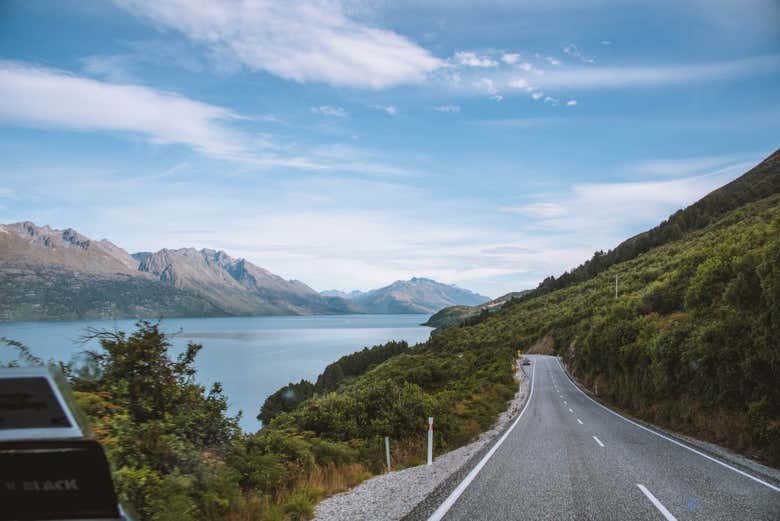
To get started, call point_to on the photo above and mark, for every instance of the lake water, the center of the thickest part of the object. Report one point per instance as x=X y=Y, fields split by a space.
x=251 y=356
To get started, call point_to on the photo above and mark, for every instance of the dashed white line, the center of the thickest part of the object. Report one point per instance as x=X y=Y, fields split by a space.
x=667 y=438
x=668 y=515
x=579 y=421
x=598 y=441
x=570 y=410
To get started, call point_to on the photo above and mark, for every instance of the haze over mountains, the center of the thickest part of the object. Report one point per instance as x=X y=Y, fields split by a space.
x=61 y=274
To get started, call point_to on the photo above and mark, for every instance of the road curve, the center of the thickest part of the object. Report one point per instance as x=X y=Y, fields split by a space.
x=570 y=458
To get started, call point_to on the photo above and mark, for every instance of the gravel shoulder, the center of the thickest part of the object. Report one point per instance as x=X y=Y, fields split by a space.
x=410 y=493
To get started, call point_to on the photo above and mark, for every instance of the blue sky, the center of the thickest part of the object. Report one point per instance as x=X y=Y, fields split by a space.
x=352 y=143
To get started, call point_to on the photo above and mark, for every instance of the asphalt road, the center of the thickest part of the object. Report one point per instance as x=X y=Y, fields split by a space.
x=569 y=458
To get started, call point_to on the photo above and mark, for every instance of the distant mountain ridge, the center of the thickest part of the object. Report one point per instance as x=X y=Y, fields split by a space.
x=341 y=294
x=47 y=273
x=237 y=285
x=416 y=295
x=61 y=274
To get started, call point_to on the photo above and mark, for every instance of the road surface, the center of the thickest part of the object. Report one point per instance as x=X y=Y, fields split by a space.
x=569 y=458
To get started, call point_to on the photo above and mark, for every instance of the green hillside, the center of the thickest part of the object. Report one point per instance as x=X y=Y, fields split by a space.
x=761 y=181
x=691 y=342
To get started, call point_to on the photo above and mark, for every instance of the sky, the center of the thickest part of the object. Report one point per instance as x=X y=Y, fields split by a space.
x=349 y=144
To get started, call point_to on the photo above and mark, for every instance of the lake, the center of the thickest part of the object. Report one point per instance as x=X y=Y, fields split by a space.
x=251 y=356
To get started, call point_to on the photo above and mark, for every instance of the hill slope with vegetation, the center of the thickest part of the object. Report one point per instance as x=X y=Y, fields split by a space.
x=691 y=342
x=761 y=181
x=460 y=315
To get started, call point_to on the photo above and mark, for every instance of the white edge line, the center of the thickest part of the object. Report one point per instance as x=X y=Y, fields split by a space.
x=453 y=497
x=661 y=508
x=598 y=441
x=667 y=438
x=579 y=421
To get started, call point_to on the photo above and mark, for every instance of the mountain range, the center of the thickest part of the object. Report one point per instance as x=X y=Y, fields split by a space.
x=417 y=295
x=47 y=273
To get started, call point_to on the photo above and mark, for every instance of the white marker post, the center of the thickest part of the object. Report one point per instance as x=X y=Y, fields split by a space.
x=430 y=440
x=387 y=452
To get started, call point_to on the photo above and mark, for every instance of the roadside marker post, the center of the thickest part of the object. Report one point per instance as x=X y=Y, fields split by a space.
x=430 y=440
x=387 y=452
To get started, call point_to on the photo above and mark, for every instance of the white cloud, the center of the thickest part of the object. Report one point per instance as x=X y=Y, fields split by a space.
x=529 y=77
x=616 y=209
x=537 y=95
x=328 y=110
x=48 y=98
x=622 y=77
x=487 y=85
x=110 y=67
x=672 y=167
x=45 y=97
x=447 y=108
x=552 y=101
x=510 y=58
x=527 y=67
x=496 y=97
x=606 y=42
x=520 y=83
x=391 y=110
x=573 y=51
x=571 y=103
x=471 y=59
x=307 y=41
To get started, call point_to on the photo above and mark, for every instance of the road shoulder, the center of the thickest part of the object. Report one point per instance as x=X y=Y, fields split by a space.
x=414 y=493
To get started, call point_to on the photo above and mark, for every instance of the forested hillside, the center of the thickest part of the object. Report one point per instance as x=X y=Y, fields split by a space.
x=691 y=342
x=761 y=181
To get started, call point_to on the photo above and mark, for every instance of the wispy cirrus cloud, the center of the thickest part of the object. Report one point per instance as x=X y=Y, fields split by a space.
x=43 y=97
x=48 y=98
x=391 y=110
x=672 y=167
x=308 y=41
x=471 y=59
x=545 y=78
x=608 y=211
x=575 y=52
x=537 y=210
x=328 y=110
x=648 y=76
x=447 y=108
